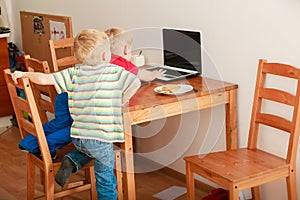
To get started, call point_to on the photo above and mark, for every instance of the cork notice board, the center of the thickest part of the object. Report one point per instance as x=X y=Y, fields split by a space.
x=36 y=34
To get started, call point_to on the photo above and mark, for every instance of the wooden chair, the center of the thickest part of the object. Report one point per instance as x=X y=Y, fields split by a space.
x=250 y=167
x=49 y=92
x=31 y=123
x=65 y=60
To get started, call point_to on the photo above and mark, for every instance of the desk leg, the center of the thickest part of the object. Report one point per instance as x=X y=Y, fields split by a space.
x=129 y=180
x=231 y=121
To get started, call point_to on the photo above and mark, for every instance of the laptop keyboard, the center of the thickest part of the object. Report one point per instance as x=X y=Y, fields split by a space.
x=169 y=71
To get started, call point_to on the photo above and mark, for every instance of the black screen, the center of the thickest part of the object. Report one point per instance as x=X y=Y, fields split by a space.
x=182 y=49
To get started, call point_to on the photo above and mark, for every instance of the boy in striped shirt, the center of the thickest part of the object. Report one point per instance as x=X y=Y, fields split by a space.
x=121 y=47
x=96 y=90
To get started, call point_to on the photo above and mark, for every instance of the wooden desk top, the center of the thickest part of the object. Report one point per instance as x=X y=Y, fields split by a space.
x=146 y=97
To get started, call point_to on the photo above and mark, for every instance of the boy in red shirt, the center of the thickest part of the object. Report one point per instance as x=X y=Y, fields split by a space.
x=121 y=47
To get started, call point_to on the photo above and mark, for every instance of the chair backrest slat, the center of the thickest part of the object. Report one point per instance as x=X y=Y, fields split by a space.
x=281 y=70
x=46 y=105
x=277 y=95
x=66 y=61
x=274 y=121
x=22 y=103
x=28 y=127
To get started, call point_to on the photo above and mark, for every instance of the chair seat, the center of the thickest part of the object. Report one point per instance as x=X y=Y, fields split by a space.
x=238 y=165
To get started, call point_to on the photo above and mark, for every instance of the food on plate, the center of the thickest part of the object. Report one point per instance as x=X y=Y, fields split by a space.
x=168 y=88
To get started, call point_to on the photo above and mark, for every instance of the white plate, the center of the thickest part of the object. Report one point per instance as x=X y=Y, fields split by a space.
x=179 y=89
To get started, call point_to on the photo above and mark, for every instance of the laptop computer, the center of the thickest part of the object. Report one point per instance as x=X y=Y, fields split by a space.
x=181 y=54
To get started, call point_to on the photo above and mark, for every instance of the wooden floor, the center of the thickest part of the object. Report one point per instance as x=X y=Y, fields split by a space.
x=13 y=175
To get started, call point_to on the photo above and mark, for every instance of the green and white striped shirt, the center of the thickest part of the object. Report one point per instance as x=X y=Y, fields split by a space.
x=95 y=99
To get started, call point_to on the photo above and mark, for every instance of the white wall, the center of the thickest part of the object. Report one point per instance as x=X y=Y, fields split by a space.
x=236 y=34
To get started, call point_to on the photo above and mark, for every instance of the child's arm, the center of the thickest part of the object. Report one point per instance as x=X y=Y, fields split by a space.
x=131 y=90
x=145 y=75
x=36 y=77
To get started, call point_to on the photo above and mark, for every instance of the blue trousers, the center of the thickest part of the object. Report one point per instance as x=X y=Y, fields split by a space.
x=79 y=159
x=57 y=131
x=103 y=155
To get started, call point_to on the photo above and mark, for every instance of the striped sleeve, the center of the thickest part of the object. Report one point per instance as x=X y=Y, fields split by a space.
x=63 y=80
x=131 y=85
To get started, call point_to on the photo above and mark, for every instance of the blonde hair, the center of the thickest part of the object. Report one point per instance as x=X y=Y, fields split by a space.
x=89 y=46
x=118 y=40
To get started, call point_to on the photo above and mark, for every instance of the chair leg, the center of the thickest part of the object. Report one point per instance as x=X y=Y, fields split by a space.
x=291 y=186
x=119 y=174
x=255 y=193
x=92 y=180
x=30 y=178
x=49 y=185
x=190 y=183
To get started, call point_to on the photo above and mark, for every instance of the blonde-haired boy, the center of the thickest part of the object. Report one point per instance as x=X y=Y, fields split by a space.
x=120 y=42
x=89 y=44
x=121 y=48
x=98 y=90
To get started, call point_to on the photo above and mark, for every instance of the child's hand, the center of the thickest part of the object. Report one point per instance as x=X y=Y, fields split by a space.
x=146 y=75
x=16 y=75
x=158 y=73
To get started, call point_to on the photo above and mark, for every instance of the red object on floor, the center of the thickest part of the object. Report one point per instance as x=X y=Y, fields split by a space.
x=217 y=194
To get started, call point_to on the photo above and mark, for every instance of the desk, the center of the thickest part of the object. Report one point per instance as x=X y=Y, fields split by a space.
x=146 y=106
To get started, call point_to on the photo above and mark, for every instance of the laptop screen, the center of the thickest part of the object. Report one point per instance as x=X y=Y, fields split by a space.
x=182 y=49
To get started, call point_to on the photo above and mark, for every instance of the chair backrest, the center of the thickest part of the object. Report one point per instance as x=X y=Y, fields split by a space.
x=65 y=61
x=45 y=94
x=265 y=91
x=35 y=65
x=27 y=112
